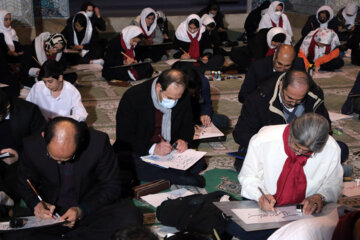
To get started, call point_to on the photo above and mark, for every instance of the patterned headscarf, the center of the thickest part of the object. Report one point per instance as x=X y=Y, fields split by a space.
x=53 y=39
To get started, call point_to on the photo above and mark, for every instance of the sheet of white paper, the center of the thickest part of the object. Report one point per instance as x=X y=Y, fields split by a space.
x=174 y=60
x=207 y=132
x=181 y=161
x=256 y=215
x=32 y=222
x=156 y=199
x=350 y=189
x=338 y=116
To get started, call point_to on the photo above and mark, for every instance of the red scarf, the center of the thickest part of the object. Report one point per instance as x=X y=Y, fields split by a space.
x=194 y=49
x=291 y=185
x=49 y=56
x=130 y=53
x=311 y=49
x=270 y=51
x=280 y=23
x=145 y=35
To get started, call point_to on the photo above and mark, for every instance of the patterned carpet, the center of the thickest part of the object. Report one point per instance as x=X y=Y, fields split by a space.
x=101 y=101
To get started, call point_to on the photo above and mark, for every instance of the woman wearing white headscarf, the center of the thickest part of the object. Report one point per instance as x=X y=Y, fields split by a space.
x=9 y=41
x=190 y=44
x=321 y=48
x=275 y=17
x=147 y=21
x=81 y=37
x=348 y=18
x=263 y=44
x=121 y=56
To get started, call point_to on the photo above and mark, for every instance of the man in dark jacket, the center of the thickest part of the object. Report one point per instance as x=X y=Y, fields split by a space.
x=150 y=119
x=270 y=68
x=279 y=102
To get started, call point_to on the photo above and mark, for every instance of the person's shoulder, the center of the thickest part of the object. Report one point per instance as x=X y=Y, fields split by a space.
x=269 y=134
x=22 y=105
x=68 y=87
x=139 y=91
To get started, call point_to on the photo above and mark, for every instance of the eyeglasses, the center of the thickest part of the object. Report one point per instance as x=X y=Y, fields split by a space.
x=298 y=149
x=290 y=100
x=281 y=65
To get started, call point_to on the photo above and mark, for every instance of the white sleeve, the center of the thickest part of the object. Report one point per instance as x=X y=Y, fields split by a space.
x=33 y=72
x=31 y=96
x=287 y=25
x=332 y=185
x=152 y=149
x=78 y=111
x=252 y=173
x=263 y=22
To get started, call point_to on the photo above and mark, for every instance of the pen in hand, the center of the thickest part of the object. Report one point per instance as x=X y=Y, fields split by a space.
x=267 y=199
x=41 y=200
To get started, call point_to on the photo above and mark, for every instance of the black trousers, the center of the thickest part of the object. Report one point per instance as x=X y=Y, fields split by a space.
x=100 y=225
x=334 y=64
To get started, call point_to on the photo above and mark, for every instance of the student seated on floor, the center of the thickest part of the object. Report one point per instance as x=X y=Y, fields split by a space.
x=348 y=18
x=44 y=47
x=54 y=96
x=81 y=37
x=93 y=12
x=147 y=21
x=253 y=19
x=163 y=24
x=275 y=17
x=320 y=48
x=120 y=57
x=297 y=163
x=9 y=40
x=263 y=44
x=151 y=117
x=209 y=36
x=190 y=45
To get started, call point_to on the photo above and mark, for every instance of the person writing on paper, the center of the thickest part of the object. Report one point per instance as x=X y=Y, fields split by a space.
x=54 y=96
x=76 y=174
x=155 y=118
x=298 y=163
x=190 y=44
x=121 y=55
x=44 y=47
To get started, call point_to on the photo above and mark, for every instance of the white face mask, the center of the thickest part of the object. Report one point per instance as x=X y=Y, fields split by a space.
x=168 y=103
x=211 y=15
x=89 y=13
x=278 y=13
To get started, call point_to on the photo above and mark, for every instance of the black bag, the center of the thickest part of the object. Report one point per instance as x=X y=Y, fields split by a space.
x=195 y=213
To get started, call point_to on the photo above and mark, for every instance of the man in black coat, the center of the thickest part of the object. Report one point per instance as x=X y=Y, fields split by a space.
x=18 y=119
x=76 y=173
x=270 y=67
x=279 y=102
x=150 y=119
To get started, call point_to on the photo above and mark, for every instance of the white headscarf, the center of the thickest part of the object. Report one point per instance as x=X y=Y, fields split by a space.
x=271 y=11
x=325 y=36
x=9 y=33
x=276 y=30
x=39 y=47
x=331 y=15
x=144 y=13
x=182 y=30
x=351 y=9
x=130 y=32
x=206 y=19
x=88 y=30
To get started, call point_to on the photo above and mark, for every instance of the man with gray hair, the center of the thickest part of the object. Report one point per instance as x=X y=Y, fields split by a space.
x=297 y=163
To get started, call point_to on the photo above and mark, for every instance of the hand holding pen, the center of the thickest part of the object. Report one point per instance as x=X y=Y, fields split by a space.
x=266 y=202
x=42 y=209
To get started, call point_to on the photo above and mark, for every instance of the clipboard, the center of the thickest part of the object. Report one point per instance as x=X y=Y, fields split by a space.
x=226 y=208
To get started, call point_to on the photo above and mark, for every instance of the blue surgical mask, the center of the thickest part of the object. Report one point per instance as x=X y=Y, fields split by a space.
x=168 y=103
x=89 y=13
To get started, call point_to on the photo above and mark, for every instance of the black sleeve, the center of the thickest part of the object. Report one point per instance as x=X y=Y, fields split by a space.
x=299 y=64
x=249 y=84
x=68 y=34
x=186 y=132
x=309 y=26
x=113 y=55
x=27 y=61
x=3 y=46
x=321 y=109
x=180 y=44
x=99 y=23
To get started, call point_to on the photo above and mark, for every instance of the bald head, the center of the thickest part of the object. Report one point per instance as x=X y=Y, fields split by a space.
x=284 y=57
x=62 y=136
x=172 y=76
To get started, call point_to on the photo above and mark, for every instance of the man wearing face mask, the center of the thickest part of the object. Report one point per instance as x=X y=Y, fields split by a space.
x=155 y=118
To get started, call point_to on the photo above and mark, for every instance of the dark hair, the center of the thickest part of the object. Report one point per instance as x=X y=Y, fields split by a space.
x=51 y=68
x=290 y=78
x=151 y=14
x=192 y=76
x=213 y=5
x=326 y=13
x=81 y=19
x=81 y=131
x=141 y=36
x=188 y=236
x=264 y=5
x=280 y=37
x=195 y=22
x=85 y=5
x=211 y=25
x=4 y=102
x=170 y=76
x=134 y=233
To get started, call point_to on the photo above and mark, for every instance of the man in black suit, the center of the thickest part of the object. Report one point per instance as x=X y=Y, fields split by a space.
x=76 y=173
x=18 y=119
x=270 y=67
x=150 y=119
